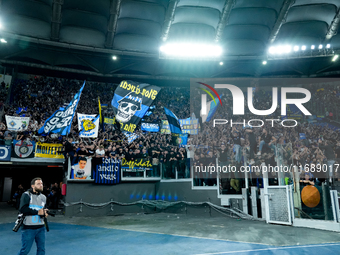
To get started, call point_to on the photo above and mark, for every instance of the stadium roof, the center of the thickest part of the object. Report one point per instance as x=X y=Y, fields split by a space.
x=81 y=36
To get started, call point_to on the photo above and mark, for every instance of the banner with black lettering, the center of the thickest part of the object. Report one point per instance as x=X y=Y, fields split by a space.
x=131 y=101
x=23 y=149
x=60 y=122
x=88 y=125
x=5 y=153
x=49 y=150
x=150 y=127
x=107 y=171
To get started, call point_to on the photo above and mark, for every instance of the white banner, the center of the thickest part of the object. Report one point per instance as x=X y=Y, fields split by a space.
x=7 y=79
x=88 y=125
x=17 y=123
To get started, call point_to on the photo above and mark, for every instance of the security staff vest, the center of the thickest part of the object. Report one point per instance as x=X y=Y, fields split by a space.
x=37 y=202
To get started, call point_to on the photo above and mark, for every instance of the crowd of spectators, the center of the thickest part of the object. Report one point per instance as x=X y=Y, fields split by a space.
x=325 y=100
x=3 y=93
x=40 y=97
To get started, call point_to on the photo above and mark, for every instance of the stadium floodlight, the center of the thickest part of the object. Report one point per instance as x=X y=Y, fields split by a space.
x=191 y=50
x=335 y=57
x=114 y=57
x=312 y=47
x=303 y=47
x=320 y=46
x=280 y=49
x=287 y=48
x=264 y=62
x=328 y=46
x=221 y=63
x=272 y=50
x=296 y=48
x=2 y=40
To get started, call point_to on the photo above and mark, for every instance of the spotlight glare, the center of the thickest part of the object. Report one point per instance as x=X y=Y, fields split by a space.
x=335 y=57
x=221 y=63
x=312 y=47
x=3 y=40
x=296 y=48
x=191 y=50
x=303 y=47
x=114 y=57
x=320 y=46
x=328 y=46
x=272 y=50
x=264 y=62
x=287 y=49
x=280 y=49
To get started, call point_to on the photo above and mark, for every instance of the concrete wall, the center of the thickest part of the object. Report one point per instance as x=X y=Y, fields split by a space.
x=94 y=194
x=130 y=192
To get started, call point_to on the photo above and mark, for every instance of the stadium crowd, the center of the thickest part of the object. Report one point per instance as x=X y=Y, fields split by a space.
x=306 y=143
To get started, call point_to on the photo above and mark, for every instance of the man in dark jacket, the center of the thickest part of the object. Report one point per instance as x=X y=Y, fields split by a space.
x=33 y=207
x=330 y=155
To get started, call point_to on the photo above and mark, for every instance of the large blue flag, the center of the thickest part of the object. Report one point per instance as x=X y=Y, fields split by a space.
x=60 y=122
x=174 y=125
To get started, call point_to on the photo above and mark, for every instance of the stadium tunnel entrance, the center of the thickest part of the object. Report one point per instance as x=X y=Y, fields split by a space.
x=11 y=176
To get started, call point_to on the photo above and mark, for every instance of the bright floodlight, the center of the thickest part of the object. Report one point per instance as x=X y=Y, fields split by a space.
x=191 y=50
x=320 y=46
x=303 y=47
x=264 y=62
x=287 y=48
x=296 y=48
x=280 y=49
x=312 y=47
x=114 y=57
x=328 y=46
x=3 y=40
x=272 y=50
x=221 y=63
x=335 y=58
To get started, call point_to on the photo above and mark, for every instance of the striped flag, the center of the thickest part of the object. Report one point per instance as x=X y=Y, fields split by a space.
x=173 y=122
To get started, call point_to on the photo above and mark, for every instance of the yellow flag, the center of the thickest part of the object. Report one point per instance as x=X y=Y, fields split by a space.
x=100 y=111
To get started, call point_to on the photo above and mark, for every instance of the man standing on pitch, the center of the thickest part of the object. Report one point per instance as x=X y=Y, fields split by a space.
x=32 y=205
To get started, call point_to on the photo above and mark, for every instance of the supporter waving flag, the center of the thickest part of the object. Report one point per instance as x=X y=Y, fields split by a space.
x=173 y=122
x=131 y=101
x=60 y=122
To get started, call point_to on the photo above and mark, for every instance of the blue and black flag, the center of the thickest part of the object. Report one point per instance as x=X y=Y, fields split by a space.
x=131 y=101
x=60 y=122
x=107 y=171
x=173 y=122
